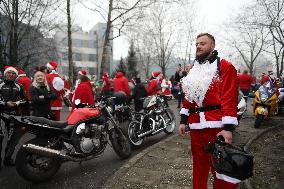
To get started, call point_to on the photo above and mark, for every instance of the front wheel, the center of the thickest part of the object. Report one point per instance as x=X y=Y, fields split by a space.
x=133 y=131
x=170 y=120
x=121 y=145
x=258 y=121
x=36 y=168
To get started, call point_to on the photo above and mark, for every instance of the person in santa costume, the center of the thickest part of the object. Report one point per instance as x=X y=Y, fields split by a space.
x=107 y=85
x=56 y=83
x=120 y=84
x=24 y=80
x=84 y=91
x=166 y=89
x=153 y=86
x=209 y=109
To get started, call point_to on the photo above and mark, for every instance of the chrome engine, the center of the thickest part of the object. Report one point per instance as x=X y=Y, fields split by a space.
x=89 y=138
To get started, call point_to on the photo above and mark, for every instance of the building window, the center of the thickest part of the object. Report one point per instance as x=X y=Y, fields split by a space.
x=92 y=57
x=64 y=56
x=77 y=42
x=92 y=44
x=78 y=57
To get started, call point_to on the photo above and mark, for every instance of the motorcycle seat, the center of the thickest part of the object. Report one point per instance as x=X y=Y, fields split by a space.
x=56 y=124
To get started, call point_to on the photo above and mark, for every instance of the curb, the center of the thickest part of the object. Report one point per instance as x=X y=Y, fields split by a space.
x=248 y=144
x=132 y=161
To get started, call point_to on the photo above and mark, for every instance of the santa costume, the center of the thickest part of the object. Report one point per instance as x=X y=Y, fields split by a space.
x=153 y=85
x=56 y=83
x=166 y=87
x=83 y=92
x=25 y=81
x=210 y=105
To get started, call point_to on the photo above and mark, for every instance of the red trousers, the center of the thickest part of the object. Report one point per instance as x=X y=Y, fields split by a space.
x=56 y=114
x=202 y=161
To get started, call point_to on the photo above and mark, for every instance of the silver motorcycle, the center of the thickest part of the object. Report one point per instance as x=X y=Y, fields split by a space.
x=151 y=120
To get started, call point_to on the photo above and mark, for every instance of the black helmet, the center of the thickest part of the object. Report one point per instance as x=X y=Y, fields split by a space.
x=120 y=97
x=232 y=161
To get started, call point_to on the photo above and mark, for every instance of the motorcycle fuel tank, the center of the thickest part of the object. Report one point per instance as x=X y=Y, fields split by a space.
x=81 y=114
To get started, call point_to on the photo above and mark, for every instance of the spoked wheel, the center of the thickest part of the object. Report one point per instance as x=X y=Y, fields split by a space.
x=120 y=143
x=170 y=120
x=258 y=121
x=133 y=131
x=36 y=168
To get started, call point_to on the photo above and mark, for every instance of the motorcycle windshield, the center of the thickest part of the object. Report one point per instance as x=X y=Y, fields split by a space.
x=263 y=94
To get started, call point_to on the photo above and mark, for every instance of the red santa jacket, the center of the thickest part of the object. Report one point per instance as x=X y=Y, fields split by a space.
x=120 y=83
x=153 y=87
x=245 y=81
x=223 y=91
x=26 y=82
x=57 y=84
x=85 y=93
x=107 y=85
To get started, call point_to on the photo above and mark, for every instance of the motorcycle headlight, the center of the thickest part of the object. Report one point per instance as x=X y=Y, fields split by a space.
x=263 y=97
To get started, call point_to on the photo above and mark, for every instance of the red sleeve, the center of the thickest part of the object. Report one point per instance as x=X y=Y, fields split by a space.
x=229 y=93
x=126 y=87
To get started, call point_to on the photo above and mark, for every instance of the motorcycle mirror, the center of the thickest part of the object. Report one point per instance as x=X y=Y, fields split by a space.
x=77 y=102
x=251 y=95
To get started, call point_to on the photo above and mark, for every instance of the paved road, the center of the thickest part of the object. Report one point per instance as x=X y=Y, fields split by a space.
x=89 y=174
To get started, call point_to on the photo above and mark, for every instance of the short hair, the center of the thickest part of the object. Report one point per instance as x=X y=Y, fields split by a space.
x=208 y=35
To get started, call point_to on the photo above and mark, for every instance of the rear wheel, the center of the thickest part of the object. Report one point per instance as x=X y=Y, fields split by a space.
x=121 y=145
x=36 y=168
x=258 y=121
x=170 y=120
x=133 y=131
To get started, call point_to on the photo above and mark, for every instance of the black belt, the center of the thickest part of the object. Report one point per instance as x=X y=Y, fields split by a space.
x=204 y=109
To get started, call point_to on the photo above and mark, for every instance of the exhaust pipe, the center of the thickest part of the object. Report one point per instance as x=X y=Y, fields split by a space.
x=148 y=132
x=43 y=151
x=161 y=129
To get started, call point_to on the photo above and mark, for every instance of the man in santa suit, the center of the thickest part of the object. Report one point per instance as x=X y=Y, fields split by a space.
x=24 y=80
x=209 y=109
x=153 y=86
x=57 y=84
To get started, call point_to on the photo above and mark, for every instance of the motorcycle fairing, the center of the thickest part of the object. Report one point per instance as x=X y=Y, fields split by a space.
x=82 y=114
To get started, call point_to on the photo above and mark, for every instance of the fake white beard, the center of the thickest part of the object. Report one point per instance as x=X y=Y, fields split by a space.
x=198 y=81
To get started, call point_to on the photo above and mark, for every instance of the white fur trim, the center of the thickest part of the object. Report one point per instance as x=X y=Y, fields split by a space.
x=202 y=117
x=206 y=124
x=49 y=66
x=56 y=108
x=184 y=111
x=10 y=69
x=229 y=120
x=20 y=75
x=227 y=178
x=58 y=83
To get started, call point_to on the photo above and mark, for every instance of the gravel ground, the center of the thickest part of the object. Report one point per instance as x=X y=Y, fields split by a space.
x=268 y=151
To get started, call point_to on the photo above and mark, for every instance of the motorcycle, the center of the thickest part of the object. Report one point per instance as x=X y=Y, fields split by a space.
x=265 y=103
x=242 y=105
x=82 y=137
x=153 y=119
x=281 y=100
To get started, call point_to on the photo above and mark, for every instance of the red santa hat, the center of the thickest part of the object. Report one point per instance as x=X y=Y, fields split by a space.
x=10 y=68
x=21 y=72
x=82 y=72
x=155 y=74
x=105 y=74
x=52 y=65
x=270 y=72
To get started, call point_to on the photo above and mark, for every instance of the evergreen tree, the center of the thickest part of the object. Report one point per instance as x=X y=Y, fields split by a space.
x=132 y=62
x=121 y=67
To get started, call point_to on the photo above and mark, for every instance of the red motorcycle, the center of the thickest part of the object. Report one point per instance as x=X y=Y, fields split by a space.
x=82 y=137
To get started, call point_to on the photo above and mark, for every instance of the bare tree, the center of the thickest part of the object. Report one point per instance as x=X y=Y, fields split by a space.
x=271 y=16
x=248 y=41
x=69 y=36
x=24 y=25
